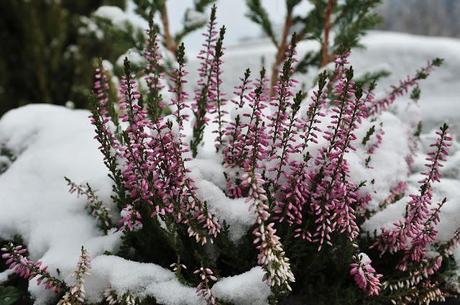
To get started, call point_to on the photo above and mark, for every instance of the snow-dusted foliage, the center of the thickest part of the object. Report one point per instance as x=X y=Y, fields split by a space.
x=270 y=195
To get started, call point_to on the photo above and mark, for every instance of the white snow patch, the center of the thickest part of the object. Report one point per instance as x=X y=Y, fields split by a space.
x=245 y=289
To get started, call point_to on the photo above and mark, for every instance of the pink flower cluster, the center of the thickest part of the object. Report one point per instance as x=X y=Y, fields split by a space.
x=416 y=230
x=204 y=287
x=271 y=254
x=365 y=275
x=16 y=259
x=153 y=74
x=152 y=164
x=334 y=198
x=295 y=192
x=76 y=294
x=299 y=190
x=208 y=96
x=404 y=86
x=247 y=138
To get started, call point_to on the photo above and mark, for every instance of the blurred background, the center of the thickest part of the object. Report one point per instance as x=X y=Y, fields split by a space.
x=49 y=47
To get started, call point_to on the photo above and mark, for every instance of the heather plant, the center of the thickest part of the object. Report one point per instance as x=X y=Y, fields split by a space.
x=286 y=154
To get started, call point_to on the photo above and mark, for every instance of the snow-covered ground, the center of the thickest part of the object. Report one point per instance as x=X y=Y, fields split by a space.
x=51 y=142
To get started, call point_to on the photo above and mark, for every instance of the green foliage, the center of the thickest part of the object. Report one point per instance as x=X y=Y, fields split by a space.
x=50 y=47
x=353 y=19
x=368 y=135
x=259 y=15
x=9 y=295
x=44 y=57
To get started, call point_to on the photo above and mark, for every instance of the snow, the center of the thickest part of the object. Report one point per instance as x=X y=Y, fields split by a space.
x=391 y=154
x=121 y=18
x=4 y=275
x=235 y=212
x=50 y=142
x=143 y=279
x=134 y=57
x=124 y=276
x=244 y=289
x=194 y=18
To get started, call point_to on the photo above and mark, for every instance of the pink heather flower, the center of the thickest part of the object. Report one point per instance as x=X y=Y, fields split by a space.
x=404 y=86
x=16 y=259
x=204 y=287
x=93 y=204
x=418 y=214
x=101 y=117
x=206 y=55
x=256 y=138
x=205 y=91
x=295 y=192
x=418 y=285
x=308 y=125
x=420 y=242
x=234 y=130
x=334 y=199
x=135 y=150
x=281 y=100
x=180 y=97
x=241 y=91
x=202 y=225
x=365 y=275
x=294 y=195
x=154 y=170
x=271 y=254
x=233 y=151
x=100 y=90
x=76 y=294
x=287 y=145
x=340 y=67
x=131 y=219
x=249 y=133
x=153 y=75
x=219 y=99
x=104 y=118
